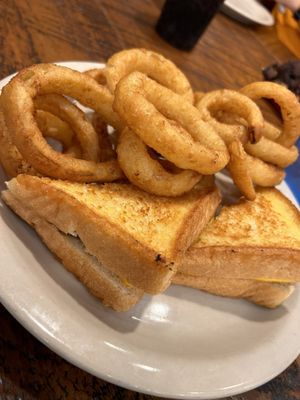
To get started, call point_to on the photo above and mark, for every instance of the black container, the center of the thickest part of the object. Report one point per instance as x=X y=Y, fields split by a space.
x=182 y=22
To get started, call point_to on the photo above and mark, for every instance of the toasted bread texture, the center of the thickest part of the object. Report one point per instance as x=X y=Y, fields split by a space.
x=269 y=295
x=101 y=282
x=250 y=240
x=137 y=236
x=271 y=219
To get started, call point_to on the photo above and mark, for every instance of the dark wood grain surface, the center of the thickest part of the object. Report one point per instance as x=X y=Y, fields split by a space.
x=31 y=31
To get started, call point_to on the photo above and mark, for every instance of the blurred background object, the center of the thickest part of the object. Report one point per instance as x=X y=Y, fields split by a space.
x=287 y=74
x=293 y=5
x=287 y=24
x=182 y=23
x=248 y=12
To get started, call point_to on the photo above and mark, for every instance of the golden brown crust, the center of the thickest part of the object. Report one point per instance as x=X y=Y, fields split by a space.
x=269 y=221
x=70 y=251
x=133 y=261
x=269 y=295
x=196 y=220
x=284 y=199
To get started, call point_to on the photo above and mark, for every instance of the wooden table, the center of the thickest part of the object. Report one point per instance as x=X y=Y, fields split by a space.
x=32 y=31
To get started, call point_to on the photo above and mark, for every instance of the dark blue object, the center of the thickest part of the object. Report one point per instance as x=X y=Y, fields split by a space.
x=293 y=177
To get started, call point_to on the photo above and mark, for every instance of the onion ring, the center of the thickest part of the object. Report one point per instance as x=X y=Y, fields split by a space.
x=247 y=171
x=270 y=131
x=289 y=105
x=239 y=170
x=169 y=124
x=151 y=64
x=75 y=118
x=233 y=103
x=264 y=174
x=18 y=107
x=11 y=160
x=49 y=78
x=52 y=126
x=231 y=119
x=272 y=152
x=147 y=173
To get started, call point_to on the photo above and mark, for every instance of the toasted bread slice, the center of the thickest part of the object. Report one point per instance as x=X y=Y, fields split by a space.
x=265 y=294
x=137 y=236
x=101 y=282
x=250 y=240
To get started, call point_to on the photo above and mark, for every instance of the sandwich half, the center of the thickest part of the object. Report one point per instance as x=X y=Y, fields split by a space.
x=113 y=235
x=257 y=239
x=101 y=282
x=250 y=250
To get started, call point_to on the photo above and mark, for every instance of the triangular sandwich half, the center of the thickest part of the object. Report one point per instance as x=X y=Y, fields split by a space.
x=250 y=250
x=250 y=240
x=131 y=235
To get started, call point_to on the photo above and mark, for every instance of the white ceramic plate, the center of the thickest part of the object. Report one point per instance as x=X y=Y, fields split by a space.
x=180 y=344
x=248 y=12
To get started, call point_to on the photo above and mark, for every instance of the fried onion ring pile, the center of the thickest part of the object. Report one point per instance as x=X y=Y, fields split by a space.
x=258 y=150
x=145 y=171
x=133 y=153
x=169 y=124
x=146 y=124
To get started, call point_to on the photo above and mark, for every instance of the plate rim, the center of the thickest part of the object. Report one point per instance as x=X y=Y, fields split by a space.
x=62 y=350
